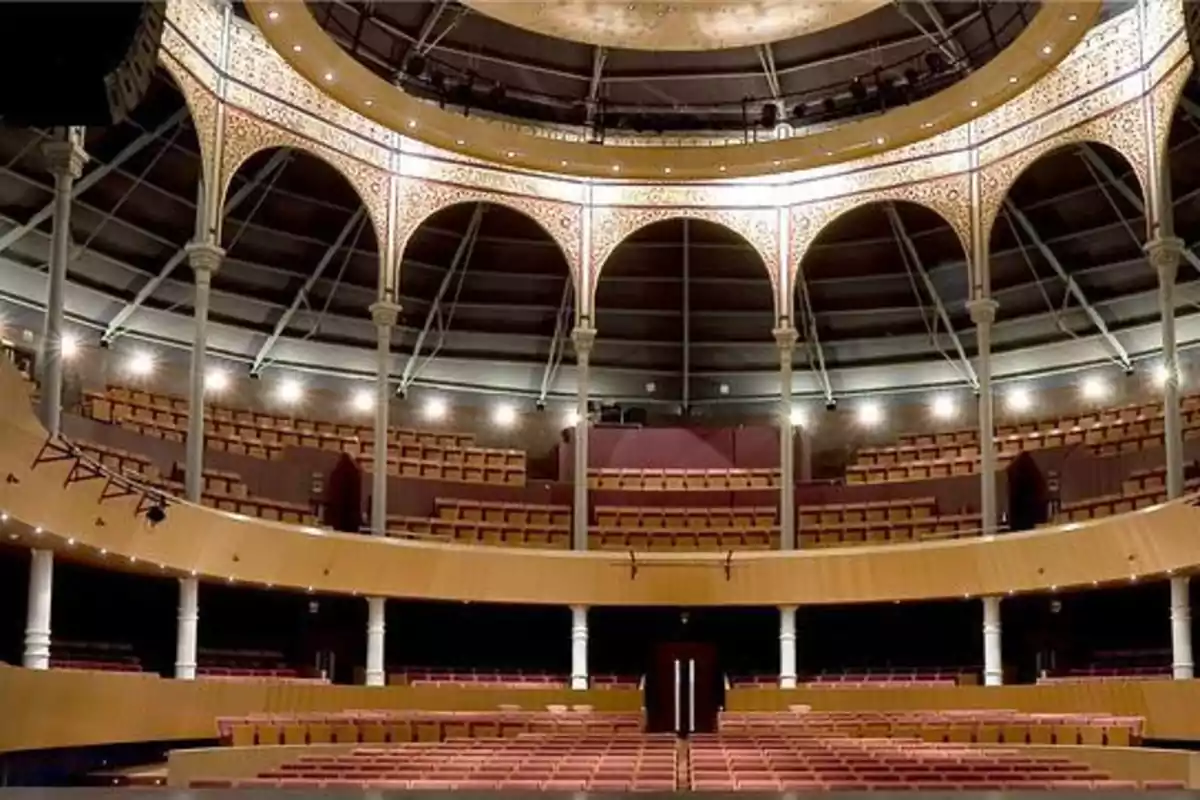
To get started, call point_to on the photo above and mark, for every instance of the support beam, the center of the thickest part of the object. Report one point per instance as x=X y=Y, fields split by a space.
x=785 y=340
x=812 y=342
x=686 y=396
x=186 y=629
x=1073 y=288
x=942 y=45
x=993 y=660
x=92 y=178
x=766 y=57
x=376 y=631
x=579 y=648
x=558 y=344
x=462 y=257
x=599 y=57
x=939 y=22
x=787 y=647
x=352 y=226
x=276 y=162
x=583 y=337
x=37 y=610
x=908 y=251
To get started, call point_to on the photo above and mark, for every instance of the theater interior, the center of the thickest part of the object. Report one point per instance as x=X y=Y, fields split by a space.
x=460 y=395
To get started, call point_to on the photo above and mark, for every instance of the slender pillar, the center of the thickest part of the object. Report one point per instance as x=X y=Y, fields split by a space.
x=983 y=314
x=785 y=338
x=376 y=610
x=787 y=647
x=993 y=664
x=65 y=160
x=384 y=314
x=37 y=614
x=205 y=259
x=1182 y=666
x=188 y=622
x=584 y=337
x=579 y=647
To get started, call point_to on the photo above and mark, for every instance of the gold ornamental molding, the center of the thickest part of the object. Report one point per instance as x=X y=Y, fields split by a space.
x=295 y=35
x=692 y=26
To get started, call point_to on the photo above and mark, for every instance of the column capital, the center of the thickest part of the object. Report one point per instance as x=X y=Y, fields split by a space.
x=204 y=257
x=1164 y=254
x=384 y=313
x=583 y=338
x=65 y=158
x=785 y=338
x=982 y=310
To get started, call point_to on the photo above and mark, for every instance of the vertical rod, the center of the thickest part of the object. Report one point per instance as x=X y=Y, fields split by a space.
x=678 y=696
x=205 y=258
x=787 y=647
x=37 y=621
x=579 y=648
x=186 y=630
x=687 y=319
x=583 y=338
x=983 y=312
x=993 y=669
x=1182 y=666
x=376 y=628
x=691 y=727
x=785 y=338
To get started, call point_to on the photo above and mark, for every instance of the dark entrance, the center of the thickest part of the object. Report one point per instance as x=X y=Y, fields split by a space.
x=683 y=689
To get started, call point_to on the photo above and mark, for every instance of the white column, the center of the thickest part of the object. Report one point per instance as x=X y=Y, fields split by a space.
x=993 y=663
x=787 y=647
x=384 y=314
x=1164 y=256
x=785 y=338
x=65 y=160
x=579 y=647
x=376 y=673
x=1182 y=667
x=583 y=337
x=983 y=313
x=186 y=629
x=37 y=615
x=205 y=259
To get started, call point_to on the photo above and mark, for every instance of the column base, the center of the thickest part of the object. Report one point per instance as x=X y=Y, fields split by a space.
x=787 y=681
x=185 y=672
x=579 y=683
x=37 y=650
x=993 y=679
x=376 y=678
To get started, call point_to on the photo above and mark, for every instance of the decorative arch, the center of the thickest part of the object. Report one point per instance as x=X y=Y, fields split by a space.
x=612 y=225
x=1122 y=131
x=1167 y=96
x=949 y=198
x=201 y=105
x=421 y=199
x=246 y=135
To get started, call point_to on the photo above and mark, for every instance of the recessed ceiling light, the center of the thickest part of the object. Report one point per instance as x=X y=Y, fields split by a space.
x=272 y=15
x=974 y=104
x=1012 y=79
x=328 y=76
x=296 y=48
x=1046 y=50
x=666 y=170
x=562 y=163
x=879 y=140
x=459 y=142
x=829 y=154
x=370 y=102
x=926 y=125
x=776 y=162
x=721 y=168
x=412 y=123
x=1072 y=18
x=616 y=167
x=511 y=154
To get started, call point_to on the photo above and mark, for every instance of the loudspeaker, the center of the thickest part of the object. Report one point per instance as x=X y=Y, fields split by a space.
x=77 y=63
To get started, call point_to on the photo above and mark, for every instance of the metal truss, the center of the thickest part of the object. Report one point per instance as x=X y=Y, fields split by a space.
x=353 y=226
x=812 y=341
x=599 y=58
x=912 y=260
x=458 y=267
x=558 y=344
x=766 y=57
x=942 y=44
x=273 y=166
x=1073 y=288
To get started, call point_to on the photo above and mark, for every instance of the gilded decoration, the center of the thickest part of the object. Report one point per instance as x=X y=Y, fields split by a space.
x=246 y=135
x=193 y=35
x=948 y=197
x=611 y=226
x=420 y=199
x=1166 y=100
x=1122 y=130
x=201 y=104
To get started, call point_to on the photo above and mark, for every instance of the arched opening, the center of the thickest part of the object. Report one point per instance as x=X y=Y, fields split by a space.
x=684 y=310
x=1066 y=251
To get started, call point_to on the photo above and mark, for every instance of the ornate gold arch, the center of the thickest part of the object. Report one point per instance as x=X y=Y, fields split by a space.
x=420 y=199
x=1166 y=98
x=949 y=198
x=201 y=105
x=246 y=135
x=612 y=225
x=1122 y=130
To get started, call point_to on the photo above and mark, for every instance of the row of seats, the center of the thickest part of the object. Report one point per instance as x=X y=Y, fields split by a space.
x=513 y=679
x=922 y=470
x=530 y=763
x=380 y=727
x=682 y=480
x=869 y=677
x=1130 y=499
x=93 y=656
x=506 y=468
x=520 y=514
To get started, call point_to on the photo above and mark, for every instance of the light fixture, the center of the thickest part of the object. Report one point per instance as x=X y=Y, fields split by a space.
x=562 y=163
x=666 y=170
x=289 y=391
x=1012 y=79
x=1046 y=50
x=504 y=415
x=798 y=418
x=944 y=406
x=880 y=141
x=296 y=48
x=870 y=414
x=37 y=531
x=71 y=542
x=616 y=167
x=216 y=380
x=141 y=363
x=1094 y=388
x=571 y=419
x=412 y=123
x=363 y=400
x=435 y=409
x=369 y=102
x=721 y=168
x=777 y=162
x=272 y=15
x=1161 y=373
x=328 y=76
x=511 y=154
x=926 y=125
x=1073 y=18
x=1018 y=399
x=459 y=142
x=68 y=346
x=974 y=104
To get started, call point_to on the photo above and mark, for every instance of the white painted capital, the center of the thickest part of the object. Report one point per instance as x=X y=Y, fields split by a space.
x=1164 y=255
x=384 y=313
x=65 y=158
x=785 y=339
x=983 y=310
x=583 y=339
x=204 y=258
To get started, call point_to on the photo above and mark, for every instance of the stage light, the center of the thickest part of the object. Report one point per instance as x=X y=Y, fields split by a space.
x=1095 y=388
x=1161 y=373
x=944 y=406
x=571 y=419
x=435 y=409
x=216 y=380
x=1018 y=399
x=870 y=414
x=289 y=391
x=798 y=418
x=504 y=415
x=68 y=346
x=141 y=363
x=363 y=400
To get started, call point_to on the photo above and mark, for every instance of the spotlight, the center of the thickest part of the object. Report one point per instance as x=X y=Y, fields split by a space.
x=571 y=419
x=141 y=363
x=870 y=414
x=363 y=400
x=858 y=90
x=770 y=115
x=156 y=513
x=1161 y=373
x=415 y=66
x=798 y=111
x=936 y=62
x=435 y=409
x=1018 y=399
x=289 y=391
x=944 y=407
x=1094 y=388
x=216 y=380
x=829 y=104
x=68 y=346
x=504 y=415
x=798 y=418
